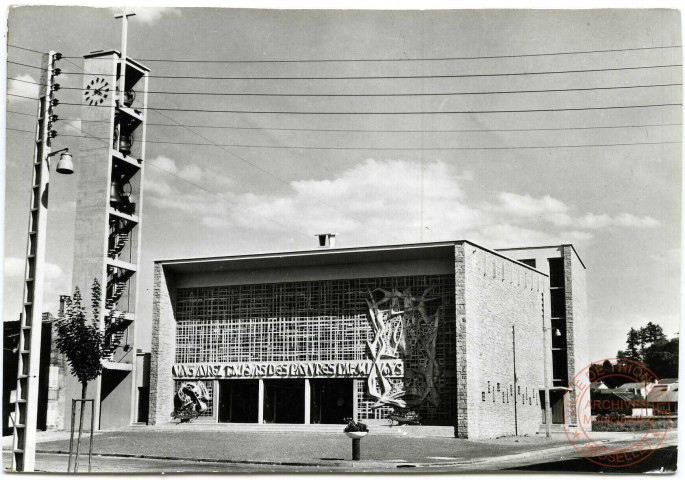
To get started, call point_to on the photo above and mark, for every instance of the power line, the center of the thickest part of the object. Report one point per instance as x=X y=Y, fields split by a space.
x=426 y=112
x=267 y=172
x=402 y=59
x=296 y=147
x=497 y=92
x=385 y=77
x=221 y=197
x=300 y=147
x=400 y=77
x=27 y=49
x=353 y=130
x=225 y=200
x=25 y=65
x=394 y=148
x=257 y=167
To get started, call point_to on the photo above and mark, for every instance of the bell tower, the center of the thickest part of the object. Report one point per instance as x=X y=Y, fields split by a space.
x=108 y=223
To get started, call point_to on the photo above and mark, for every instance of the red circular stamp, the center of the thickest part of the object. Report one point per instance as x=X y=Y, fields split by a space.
x=616 y=395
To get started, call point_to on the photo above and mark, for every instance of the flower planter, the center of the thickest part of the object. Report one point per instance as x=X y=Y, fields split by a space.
x=356 y=435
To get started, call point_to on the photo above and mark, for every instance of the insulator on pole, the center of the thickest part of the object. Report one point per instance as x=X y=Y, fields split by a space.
x=57 y=56
x=52 y=133
x=56 y=87
x=54 y=102
x=54 y=118
x=56 y=72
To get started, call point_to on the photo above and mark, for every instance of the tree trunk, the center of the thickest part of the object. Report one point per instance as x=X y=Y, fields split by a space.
x=84 y=388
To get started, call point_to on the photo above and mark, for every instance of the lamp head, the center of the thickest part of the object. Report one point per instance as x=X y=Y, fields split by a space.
x=65 y=164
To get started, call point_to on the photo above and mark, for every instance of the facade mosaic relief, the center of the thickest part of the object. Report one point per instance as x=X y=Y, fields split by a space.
x=403 y=327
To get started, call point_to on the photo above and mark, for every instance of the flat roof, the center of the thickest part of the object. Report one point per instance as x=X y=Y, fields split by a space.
x=546 y=246
x=102 y=53
x=326 y=256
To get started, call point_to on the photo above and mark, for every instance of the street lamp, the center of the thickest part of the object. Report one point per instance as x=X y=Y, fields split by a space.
x=65 y=165
x=28 y=371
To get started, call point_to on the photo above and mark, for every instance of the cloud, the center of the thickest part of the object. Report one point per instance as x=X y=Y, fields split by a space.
x=14 y=267
x=525 y=205
x=626 y=220
x=165 y=163
x=152 y=14
x=191 y=173
x=550 y=210
x=19 y=86
x=383 y=201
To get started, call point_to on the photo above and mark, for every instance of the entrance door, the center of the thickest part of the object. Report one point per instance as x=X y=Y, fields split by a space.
x=331 y=400
x=238 y=401
x=557 y=403
x=284 y=401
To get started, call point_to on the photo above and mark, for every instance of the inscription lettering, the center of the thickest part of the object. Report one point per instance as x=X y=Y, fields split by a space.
x=337 y=368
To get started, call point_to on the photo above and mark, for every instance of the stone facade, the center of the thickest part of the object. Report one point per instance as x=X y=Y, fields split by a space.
x=163 y=348
x=576 y=327
x=502 y=299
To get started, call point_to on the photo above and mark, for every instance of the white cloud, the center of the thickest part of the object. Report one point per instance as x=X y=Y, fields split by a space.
x=525 y=205
x=152 y=14
x=19 y=86
x=382 y=201
x=14 y=267
x=165 y=163
x=192 y=173
x=627 y=220
x=215 y=222
x=547 y=209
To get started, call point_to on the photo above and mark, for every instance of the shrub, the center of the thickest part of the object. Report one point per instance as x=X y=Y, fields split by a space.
x=353 y=426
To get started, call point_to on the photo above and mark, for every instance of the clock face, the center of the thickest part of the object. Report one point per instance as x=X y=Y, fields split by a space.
x=96 y=91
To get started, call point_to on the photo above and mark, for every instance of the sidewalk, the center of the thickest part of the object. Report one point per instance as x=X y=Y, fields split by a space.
x=303 y=449
x=298 y=448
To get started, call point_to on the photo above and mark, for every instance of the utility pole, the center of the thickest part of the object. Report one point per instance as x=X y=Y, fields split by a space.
x=545 y=347
x=513 y=339
x=26 y=401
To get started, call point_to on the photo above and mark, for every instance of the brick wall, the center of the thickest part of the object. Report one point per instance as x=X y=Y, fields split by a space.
x=497 y=293
x=163 y=347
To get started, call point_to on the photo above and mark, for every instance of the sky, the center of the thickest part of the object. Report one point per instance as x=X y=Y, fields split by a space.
x=618 y=204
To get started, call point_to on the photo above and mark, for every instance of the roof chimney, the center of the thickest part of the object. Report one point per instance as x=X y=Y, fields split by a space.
x=326 y=240
x=62 y=300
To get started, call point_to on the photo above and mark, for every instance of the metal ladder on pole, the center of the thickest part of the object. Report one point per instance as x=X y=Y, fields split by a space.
x=26 y=399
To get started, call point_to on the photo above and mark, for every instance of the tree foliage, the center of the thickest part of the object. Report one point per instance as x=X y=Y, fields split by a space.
x=80 y=340
x=650 y=346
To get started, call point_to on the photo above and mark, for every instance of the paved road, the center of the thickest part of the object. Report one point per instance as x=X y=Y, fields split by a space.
x=428 y=455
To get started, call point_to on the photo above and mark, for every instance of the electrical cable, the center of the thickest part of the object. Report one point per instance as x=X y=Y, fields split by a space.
x=499 y=92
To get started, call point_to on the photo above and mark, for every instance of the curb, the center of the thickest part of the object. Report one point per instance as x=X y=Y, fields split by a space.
x=481 y=461
x=200 y=460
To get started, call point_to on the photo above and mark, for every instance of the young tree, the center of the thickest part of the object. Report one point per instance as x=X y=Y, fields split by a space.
x=81 y=342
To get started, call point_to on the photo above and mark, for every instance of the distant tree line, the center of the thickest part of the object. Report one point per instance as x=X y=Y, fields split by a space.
x=649 y=346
